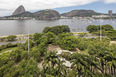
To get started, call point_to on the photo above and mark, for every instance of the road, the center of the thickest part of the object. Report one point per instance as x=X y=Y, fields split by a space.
x=13 y=42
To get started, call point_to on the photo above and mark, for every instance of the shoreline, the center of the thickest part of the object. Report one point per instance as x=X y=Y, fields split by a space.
x=26 y=35
x=19 y=35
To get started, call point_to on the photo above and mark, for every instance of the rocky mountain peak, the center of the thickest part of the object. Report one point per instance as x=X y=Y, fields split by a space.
x=19 y=10
x=47 y=14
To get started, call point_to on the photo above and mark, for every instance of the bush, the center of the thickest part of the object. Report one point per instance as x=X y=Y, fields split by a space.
x=35 y=53
x=98 y=33
x=50 y=37
x=66 y=55
x=11 y=37
x=37 y=36
x=30 y=44
x=9 y=45
x=42 y=49
x=68 y=43
x=111 y=34
x=16 y=55
x=82 y=34
x=2 y=39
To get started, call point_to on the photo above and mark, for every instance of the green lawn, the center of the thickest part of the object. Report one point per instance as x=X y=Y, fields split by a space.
x=7 y=49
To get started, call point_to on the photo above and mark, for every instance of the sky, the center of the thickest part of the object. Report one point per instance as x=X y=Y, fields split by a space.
x=7 y=7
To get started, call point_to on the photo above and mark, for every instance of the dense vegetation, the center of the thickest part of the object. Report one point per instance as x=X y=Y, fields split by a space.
x=8 y=38
x=99 y=61
x=106 y=30
x=57 y=29
x=9 y=45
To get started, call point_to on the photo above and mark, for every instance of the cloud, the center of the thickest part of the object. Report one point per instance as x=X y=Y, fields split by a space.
x=7 y=7
x=110 y=1
x=38 y=4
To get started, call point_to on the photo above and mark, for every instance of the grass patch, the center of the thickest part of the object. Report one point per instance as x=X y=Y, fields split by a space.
x=85 y=52
x=13 y=48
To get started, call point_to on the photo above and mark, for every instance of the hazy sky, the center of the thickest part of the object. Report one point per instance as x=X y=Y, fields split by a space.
x=7 y=7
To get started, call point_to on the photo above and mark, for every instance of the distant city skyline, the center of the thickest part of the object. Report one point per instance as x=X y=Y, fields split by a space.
x=62 y=6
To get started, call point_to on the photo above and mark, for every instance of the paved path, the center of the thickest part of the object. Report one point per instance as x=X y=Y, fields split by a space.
x=13 y=42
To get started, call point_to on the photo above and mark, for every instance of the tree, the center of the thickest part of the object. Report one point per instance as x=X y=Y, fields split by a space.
x=42 y=48
x=4 y=58
x=35 y=53
x=30 y=44
x=61 y=36
x=11 y=37
x=53 y=66
x=31 y=68
x=36 y=36
x=98 y=32
x=107 y=27
x=92 y=28
x=6 y=69
x=16 y=55
x=25 y=55
x=57 y=29
x=28 y=68
x=46 y=29
x=111 y=34
x=50 y=37
x=81 y=65
x=50 y=60
x=61 y=68
x=68 y=42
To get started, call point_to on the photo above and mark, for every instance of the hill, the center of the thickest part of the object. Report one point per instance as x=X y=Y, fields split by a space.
x=80 y=13
x=24 y=14
x=19 y=10
x=47 y=14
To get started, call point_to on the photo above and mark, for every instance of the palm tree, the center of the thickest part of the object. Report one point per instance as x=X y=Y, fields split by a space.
x=53 y=66
x=61 y=69
x=100 y=56
x=111 y=62
x=80 y=64
x=94 y=64
x=50 y=59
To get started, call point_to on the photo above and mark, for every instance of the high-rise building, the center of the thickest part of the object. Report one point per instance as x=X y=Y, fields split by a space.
x=110 y=13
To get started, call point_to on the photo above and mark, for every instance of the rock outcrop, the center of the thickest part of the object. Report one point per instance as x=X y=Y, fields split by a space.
x=19 y=10
x=47 y=14
x=24 y=14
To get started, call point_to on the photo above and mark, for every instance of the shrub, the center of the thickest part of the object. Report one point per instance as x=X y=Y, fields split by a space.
x=103 y=33
x=111 y=34
x=9 y=45
x=11 y=37
x=66 y=55
x=82 y=34
x=68 y=43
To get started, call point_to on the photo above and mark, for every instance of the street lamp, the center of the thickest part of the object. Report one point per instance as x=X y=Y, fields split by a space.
x=28 y=39
x=100 y=28
x=100 y=31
